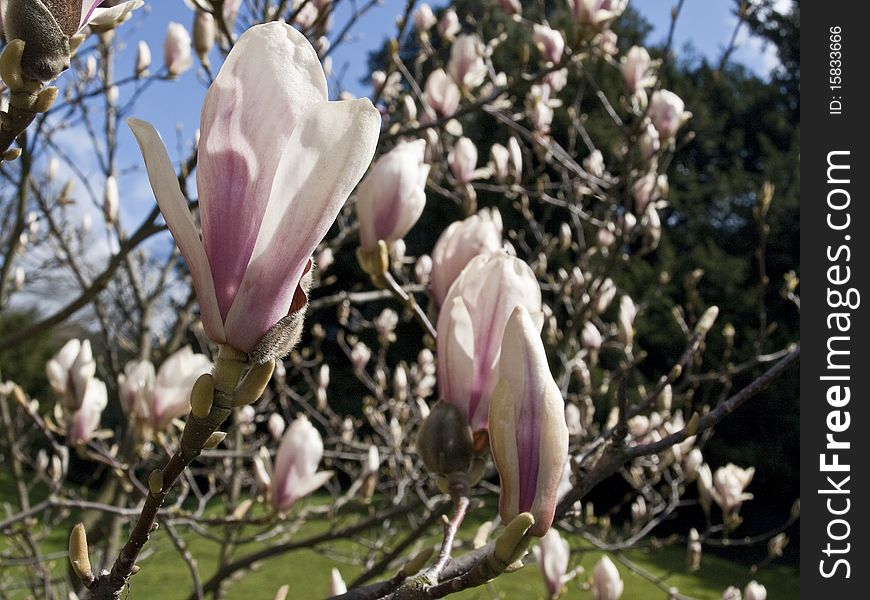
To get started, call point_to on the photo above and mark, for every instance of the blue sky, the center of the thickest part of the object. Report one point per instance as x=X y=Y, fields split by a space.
x=173 y=106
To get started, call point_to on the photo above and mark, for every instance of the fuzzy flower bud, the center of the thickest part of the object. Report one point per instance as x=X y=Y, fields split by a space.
x=204 y=35
x=444 y=441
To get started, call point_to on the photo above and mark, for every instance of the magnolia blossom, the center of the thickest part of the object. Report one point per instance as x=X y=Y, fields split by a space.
x=386 y=86
x=463 y=160
x=143 y=59
x=267 y=193
x=649 y=141
x=46 y=28
x=85 y=421
x=294 y=474
x=550 y=43
x=606 y=582
x=625 y=320
x=606 y=294
x=391 y=198
x=69 y=372
x=471 y=325
x=594 y=163
x=449 y=25
x=591 y=339
x=636 y=68
x=754 y=591
x=539 y=107
x=441 y=93
x=692 y=462
x=480 y=233
x=597 y=13
x=276 y=425
x=553 y=555
x=306 y=16
x=110 y=200
x=176 y=49
x=506 y=163
x=732 y=593
x=466 y=65
x=605 y=42
x=729 y=485
x=157 y=399
x=423 y=269
x=424 y=18
x=360 y=355
x=527 y=431
x=231 y=11
x=668 y=113
x=705 y=487
x=136 y=387
x=649 y=188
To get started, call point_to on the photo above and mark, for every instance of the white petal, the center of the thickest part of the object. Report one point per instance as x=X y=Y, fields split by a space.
x=180 y=222
x=326 y=156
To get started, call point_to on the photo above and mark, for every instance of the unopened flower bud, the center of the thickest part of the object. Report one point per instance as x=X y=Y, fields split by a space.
x=754 y=591
x=204 y=34
x=527 y=429
x=606 y=583
x=143 y=59
x=693 y=551
x=78 y=553
x=110 y=200
x=444 y=441
x=202 y=396
x=706 y=321
x=155 y=481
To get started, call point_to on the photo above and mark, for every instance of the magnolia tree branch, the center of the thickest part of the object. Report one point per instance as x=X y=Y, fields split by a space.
x=474 y=568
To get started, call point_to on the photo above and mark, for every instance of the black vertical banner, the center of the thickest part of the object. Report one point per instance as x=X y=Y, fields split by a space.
x=835 y=359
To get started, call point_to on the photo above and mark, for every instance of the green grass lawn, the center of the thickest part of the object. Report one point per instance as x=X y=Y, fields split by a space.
x=164 y=575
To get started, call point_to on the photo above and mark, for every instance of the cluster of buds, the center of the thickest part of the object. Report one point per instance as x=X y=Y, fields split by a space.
x=71 y=374
x=154 y=398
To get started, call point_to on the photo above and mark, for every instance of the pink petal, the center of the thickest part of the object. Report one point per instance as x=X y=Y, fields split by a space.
x=180 y=222
x=455 y=354
x=109 y=15
x=88 y=7
x=269 y=80
x=326 y=156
